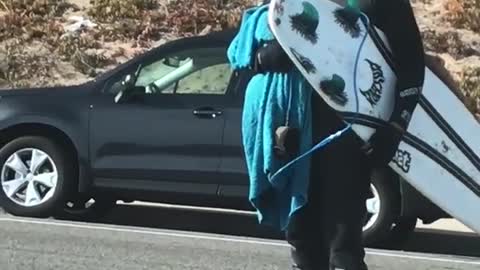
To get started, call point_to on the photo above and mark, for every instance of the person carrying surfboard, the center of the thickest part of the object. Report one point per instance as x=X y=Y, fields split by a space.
x=327 y=232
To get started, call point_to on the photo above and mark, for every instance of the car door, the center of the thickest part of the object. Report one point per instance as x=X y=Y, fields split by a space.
x=233 y=169
x=168 y=137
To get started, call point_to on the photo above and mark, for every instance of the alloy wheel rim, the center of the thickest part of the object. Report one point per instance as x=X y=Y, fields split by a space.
x=373 y=208
x=29 y=177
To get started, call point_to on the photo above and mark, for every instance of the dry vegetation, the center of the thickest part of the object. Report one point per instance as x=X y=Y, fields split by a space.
x=35 y=46
x=37 y=50
x=464 y=14
x=451 y=32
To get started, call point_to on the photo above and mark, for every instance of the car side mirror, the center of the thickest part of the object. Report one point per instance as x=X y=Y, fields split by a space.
x=129 y=90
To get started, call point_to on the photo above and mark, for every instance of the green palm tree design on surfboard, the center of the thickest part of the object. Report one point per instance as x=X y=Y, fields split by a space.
x=347 y=18
x=335 y=89
x=306 y=23
x=304 y=61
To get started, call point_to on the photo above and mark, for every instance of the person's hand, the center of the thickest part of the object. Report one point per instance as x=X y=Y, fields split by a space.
x=384 y=144
x=287 y=142
x=272 y=58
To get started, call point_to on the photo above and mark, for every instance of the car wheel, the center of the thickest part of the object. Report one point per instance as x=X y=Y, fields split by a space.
x=402 y=230
x=382 y=209
x=34 y=175
x=87 y=208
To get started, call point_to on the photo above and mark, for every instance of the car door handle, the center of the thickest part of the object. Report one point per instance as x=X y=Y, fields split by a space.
x=207 y=112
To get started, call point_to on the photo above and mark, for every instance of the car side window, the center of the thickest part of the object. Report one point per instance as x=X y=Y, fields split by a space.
x=198 y=71
x=153 y=72
x=211 y=80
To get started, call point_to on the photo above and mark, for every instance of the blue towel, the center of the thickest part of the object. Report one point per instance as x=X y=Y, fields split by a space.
x=266 y=106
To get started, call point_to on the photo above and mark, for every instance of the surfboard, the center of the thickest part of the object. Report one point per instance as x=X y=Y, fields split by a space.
x=439 y=155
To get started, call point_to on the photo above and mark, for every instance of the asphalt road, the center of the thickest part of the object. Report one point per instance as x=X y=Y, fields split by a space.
x=187 y=239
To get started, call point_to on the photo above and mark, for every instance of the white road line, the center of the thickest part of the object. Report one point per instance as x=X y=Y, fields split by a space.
x=190 y=208
x=227 y=239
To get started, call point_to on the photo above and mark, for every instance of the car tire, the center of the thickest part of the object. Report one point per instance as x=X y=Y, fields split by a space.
x=43 y=192
x=379 y=221
x=402 y=230
x=87 y=208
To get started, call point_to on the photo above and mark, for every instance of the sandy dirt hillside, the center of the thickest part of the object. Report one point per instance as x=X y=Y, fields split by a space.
x=42 y=45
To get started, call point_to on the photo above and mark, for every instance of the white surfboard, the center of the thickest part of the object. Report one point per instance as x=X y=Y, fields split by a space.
x=439 y=156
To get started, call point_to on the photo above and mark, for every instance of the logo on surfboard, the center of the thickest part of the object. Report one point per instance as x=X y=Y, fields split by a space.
x=306 y=23
x=403 y=159
x=335 y=89
x=374 y=93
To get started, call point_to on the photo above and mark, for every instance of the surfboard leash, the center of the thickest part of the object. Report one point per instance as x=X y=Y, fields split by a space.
x=339 y=133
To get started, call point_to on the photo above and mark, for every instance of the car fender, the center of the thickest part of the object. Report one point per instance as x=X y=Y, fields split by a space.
x=67 y=123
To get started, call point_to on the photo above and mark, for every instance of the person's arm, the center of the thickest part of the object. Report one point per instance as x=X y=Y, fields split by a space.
x=396 y=19
x=271 y=57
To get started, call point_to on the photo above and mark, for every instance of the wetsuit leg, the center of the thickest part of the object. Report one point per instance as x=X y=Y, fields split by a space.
x=347 y=180
x=309 y=245
x=345 y=174
x=328 y=231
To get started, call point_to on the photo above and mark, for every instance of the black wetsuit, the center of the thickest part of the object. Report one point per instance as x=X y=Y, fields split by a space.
x=327 y=232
